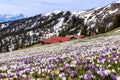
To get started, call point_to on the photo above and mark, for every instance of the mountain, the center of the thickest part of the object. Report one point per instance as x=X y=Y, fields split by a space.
x=28 y=31
x=5 y=18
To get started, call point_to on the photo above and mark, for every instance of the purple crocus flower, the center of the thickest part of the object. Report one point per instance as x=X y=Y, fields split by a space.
x=102 y=74
x=48 y=66
x=111 y=59
x=17 y=73
x=102 y=69
x=86 y=77
x=26 y=79
x=73 y=73
x=85 y=61
x=113 y=76
x=30 y=66
x=60 y=60
x=89 y=73
x=86 y=66
x=8 y=75
x=63 y=69
x=78 y=53
x=78 y=61
x=1 y=75
x=102 y=57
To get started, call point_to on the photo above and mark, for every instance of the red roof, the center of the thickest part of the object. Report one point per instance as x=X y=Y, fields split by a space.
x=68 y=36
x=49 y=41
x=58 y=38
x=79 y=37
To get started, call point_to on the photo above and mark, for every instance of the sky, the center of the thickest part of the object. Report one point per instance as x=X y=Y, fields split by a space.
x=34 y=7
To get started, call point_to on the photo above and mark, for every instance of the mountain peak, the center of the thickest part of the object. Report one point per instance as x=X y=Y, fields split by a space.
x=9 y=17
x=55 y=12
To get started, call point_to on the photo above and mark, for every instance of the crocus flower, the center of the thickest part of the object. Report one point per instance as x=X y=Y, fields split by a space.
x=102 y=74
x=73 y=73
x=118 y=78
x=61 y=75
x=113 y=76
x=86 y=66
x=86 y=77
x=9 y=75
x=26 y=79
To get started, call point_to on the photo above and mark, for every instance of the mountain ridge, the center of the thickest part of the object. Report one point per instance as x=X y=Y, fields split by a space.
x=9 y=17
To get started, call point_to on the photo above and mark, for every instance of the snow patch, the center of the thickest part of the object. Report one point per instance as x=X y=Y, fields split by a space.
x=109 y=25
x=111 y=12
x=78 y=12
x=30 y=33
x=87 y=16
x=58 y=25
x=33 y=24
x=3 y=25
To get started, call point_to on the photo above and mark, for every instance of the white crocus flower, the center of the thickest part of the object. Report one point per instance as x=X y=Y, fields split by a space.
x=100 y=65
x=15 y=76
x=81 y=76
x=24 y=75
x=109 y=66
x=109 y=61
x=93 y=62
x=31 y=72
x=67 y=65
x=107 y=72
x=61 y=75
x=72 y=65
x=113 y=70
x=64 y=78
x=38 y=79
x=116 y=62
x=39 y=72
x=98 y=61
x=48 y=70
x=118 y=78
x=103 y=61
x=119 y=69
x=98 y=72
x=21 y=72
x=97 y=65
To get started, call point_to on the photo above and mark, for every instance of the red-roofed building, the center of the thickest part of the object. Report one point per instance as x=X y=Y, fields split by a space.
x=79 y=37
x=57 y=39
x=68 y=36
x=48 y=41
x=60 y=39
x=73 y=37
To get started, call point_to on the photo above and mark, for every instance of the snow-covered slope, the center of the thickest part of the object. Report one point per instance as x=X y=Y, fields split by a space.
x=5 y=18
x=28 y=31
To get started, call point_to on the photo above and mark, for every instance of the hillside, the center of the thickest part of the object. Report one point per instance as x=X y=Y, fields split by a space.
x=28 y=31
x=96 y=57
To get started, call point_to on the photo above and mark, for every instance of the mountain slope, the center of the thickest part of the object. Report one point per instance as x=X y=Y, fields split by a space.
x=87 y=59
x=5 y=18
x=97 y=42
x=28 y=31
